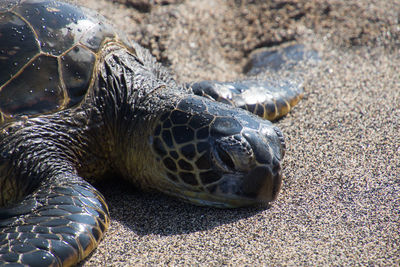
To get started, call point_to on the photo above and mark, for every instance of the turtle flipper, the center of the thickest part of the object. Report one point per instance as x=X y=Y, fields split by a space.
x=274 y=97
x=267 y=99
x=58 y=225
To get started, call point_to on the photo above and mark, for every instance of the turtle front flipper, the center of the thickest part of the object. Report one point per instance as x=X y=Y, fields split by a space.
x=59 y=224
x=278 y=86
x=268 y=99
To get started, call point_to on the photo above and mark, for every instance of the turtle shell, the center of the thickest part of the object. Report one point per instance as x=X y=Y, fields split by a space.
x=48 y=55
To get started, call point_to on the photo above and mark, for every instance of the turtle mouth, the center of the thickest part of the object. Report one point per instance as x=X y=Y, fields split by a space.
x=259 y=187
x=250 y=174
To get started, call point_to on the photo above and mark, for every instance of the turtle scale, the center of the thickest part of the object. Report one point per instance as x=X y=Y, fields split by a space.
x=54 y=50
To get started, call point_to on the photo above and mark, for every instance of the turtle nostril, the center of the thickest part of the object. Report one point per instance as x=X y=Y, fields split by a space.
x=225 y=158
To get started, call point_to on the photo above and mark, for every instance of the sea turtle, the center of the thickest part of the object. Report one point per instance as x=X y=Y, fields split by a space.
x=78 y=100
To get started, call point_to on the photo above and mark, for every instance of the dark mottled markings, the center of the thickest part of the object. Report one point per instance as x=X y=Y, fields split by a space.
x=225 y=127
x=182 y=134
x=188 y=178
x=203 y=163
x=215 y=108
x=188 y=151
x=199 y=120
x=203 y=133
x=209 y=177
x=167 y=138
x=179 y=117
x=173 y=154
x=167 y=124
x=184 y=165
x=170 y=164
x=202 y=146
x=164 y=116
x=192 y=105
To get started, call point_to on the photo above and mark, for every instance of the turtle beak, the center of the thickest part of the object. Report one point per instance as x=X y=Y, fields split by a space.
x=263 y=182
x=250 y=166
x=261 y=185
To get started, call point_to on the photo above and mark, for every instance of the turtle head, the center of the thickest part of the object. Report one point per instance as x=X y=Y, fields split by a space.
x=212 y=154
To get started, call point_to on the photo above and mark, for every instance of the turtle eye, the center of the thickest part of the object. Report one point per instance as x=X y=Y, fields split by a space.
x=225 y=158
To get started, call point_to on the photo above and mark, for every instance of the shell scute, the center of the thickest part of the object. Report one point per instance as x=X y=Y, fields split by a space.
x=17 y=45
x=96 y=34
x=48 y=54
x=58 y=26
x=35 y=90
x=77 y=69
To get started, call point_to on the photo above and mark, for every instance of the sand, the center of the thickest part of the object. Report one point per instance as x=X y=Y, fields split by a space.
x=340 y=200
